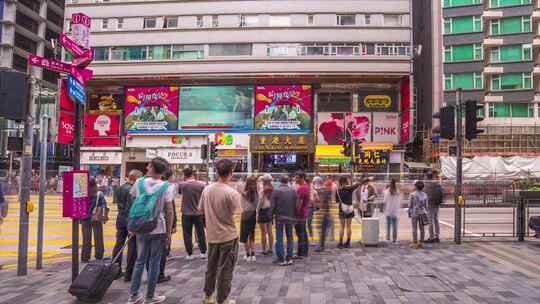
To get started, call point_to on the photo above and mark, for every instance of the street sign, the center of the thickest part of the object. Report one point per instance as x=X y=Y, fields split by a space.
x=76 y=90
x=81 y=74
x=71 y=46
x=49 y=64
x=80 y=26
x=85 y=59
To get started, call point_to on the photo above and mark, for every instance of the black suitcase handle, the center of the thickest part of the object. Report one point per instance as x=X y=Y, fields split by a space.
x=122 y=249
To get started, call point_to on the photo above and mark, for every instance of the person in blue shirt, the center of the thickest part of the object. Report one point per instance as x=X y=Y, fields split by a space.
x=93 y=224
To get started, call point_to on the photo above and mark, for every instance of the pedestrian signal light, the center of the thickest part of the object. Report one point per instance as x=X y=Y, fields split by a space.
x=472 y=109
x=447 y=122
x=213 y=150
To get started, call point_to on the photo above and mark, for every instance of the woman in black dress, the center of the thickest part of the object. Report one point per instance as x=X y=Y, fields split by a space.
x=344 y=198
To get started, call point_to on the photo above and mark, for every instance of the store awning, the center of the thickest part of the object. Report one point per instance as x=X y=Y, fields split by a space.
x=330 y=155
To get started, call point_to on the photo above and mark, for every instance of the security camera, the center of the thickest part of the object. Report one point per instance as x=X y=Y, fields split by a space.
x=54 y=43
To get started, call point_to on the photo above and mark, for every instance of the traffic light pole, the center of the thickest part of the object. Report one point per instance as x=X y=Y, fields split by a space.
x=459 y=168
x=75 y=222
x=42 y=186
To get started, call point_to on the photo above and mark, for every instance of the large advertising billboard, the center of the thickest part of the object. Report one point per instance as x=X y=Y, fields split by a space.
x=216 y=107
x=385 y=127
x=332 y=126
x=102 y=129
x=283 y=107
x=151 y=108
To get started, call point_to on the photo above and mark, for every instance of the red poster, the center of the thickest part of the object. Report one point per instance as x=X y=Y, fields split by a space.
x=102 y=129
x=283 y=107
x=405 y=137
x=65 y=102
x=66 y=127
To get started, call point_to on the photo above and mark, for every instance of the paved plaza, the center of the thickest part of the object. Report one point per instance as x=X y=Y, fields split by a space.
x=480 y=272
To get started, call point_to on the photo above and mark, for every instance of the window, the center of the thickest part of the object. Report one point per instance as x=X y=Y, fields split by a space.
x=247 y=20
x=127 y=53
x=346 y=19
x=104 y=24
x=215 y=21
x=335 y=102
x=522 y=110
x=466 y=81
x=188 y=52
x=463 y=52
x=505 y=3
x=159 y=52
x=240 y=49
x=455 y=3
x=170 y=22
x=499 y=110
x=367 y=19
x=465 y=24
x=510 y=25
x=200 y=21
x=511 y=81
x=310 y=19
x=100 y=53
x=119 y=23
x=280 y=20
x=392 y=20
x=511 y=53
x=149 y=23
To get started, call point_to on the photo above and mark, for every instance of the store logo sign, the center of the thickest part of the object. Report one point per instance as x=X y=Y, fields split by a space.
x=177 y=140
x=223 y=139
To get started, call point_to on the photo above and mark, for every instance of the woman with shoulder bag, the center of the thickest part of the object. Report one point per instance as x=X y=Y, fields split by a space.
x=344 y=198
x=93 y=224
x=366 y=196
x=418 y=213
x=264 y=217
x=250 y=201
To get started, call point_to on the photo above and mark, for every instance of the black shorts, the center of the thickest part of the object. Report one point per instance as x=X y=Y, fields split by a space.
x=264 y=216
x=343 y=215
x=247 y=226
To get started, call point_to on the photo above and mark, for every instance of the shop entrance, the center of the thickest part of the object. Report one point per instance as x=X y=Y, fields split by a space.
x=281 y=162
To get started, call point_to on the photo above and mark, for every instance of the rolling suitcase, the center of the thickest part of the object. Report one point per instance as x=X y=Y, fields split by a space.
x=370 y=231
x=534 y=224
x=95 y=279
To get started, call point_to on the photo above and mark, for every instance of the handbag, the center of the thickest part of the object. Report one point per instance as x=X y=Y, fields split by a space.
x=424 y=219
x=346 y=209
x=101 y=214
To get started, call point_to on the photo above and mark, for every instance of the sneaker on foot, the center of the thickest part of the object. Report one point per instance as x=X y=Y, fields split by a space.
x=320 y=249
x=137 y=299
x=209 y=300
x=430 y=241
x=253 y=258
x=340 y=246
x=229 y=302
x=203 y=256
x=155 y=300
x=437 y=240
x=164 y=279
x=246 y=258
x=289 y=262
x=189 y=257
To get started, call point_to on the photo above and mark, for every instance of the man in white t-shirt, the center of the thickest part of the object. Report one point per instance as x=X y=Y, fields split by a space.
x=150 y=246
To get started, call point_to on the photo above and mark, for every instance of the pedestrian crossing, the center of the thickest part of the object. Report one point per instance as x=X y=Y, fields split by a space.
x=57 y=232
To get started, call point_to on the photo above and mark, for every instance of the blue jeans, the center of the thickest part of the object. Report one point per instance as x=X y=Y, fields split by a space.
x=148 y=246
x=391 y=225
x=279 y=242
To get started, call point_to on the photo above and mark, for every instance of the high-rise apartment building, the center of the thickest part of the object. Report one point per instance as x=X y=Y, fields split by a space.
x=328 y=61
x=491 y=52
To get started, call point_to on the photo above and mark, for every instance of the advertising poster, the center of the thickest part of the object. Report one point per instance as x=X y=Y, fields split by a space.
x=283 y=107
x=151 y=108
x=378 y=101
x=216 y=107
x=330 y=130
x=102 y=129
x=104 y=102
x=385 y=127
x=75 y=194
x=406 y=134
x=66 y=127
x=65 y=102
x=359 y=126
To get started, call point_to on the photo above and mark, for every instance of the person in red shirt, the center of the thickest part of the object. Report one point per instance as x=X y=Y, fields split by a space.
x=302 y=205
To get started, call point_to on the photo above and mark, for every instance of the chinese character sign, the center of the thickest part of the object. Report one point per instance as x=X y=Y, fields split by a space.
x=283 y=107
x=373 y=159
x=281 y=143
x=151 y=109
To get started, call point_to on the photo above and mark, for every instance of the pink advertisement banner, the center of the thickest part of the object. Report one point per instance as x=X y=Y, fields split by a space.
x=283 y=107
x=152 y=108
x=334 y=127
x=75 y=194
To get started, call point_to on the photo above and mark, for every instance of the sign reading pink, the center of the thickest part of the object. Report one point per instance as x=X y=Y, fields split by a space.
x=152 y=108
x=75 y=195
x=49 y=64
x=80 y=27
x=283 y=107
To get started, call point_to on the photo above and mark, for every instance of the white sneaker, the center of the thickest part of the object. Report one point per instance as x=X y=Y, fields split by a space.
x=155 y=300
x=253 y=259
x=138 y=299
x=209 y=300
x=246 y=258
x=203 y=256
x=190 y=257
x=229 y=302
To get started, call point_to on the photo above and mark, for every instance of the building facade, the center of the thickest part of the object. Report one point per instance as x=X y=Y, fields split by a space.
x=27 y=27
x=491 y=52
x=274 y=83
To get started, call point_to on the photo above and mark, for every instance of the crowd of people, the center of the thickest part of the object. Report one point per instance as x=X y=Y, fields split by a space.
x=280 y=207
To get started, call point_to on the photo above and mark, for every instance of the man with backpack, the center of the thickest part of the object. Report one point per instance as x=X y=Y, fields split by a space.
x=435 y=200
x=147 y=222
x=219 y=203
x=123 y=199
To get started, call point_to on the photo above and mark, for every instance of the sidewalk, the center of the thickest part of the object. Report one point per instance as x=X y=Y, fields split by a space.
x=444 y=273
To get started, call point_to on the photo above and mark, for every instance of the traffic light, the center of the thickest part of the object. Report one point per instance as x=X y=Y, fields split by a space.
x=472 y=119
x=447 y=122
x=204 y=152
x=213 y=150
x=347 y=149
x=357 y=147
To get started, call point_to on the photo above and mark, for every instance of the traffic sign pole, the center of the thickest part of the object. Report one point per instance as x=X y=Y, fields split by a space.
x=42 y=186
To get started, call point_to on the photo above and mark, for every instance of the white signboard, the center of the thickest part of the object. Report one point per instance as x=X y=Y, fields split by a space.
x=165 y=141
x=385 y=127
x=80 y=27
x=101 y=158
x=177 y=156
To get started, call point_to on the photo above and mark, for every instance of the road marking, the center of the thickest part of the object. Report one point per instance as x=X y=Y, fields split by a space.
x=466 y=231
